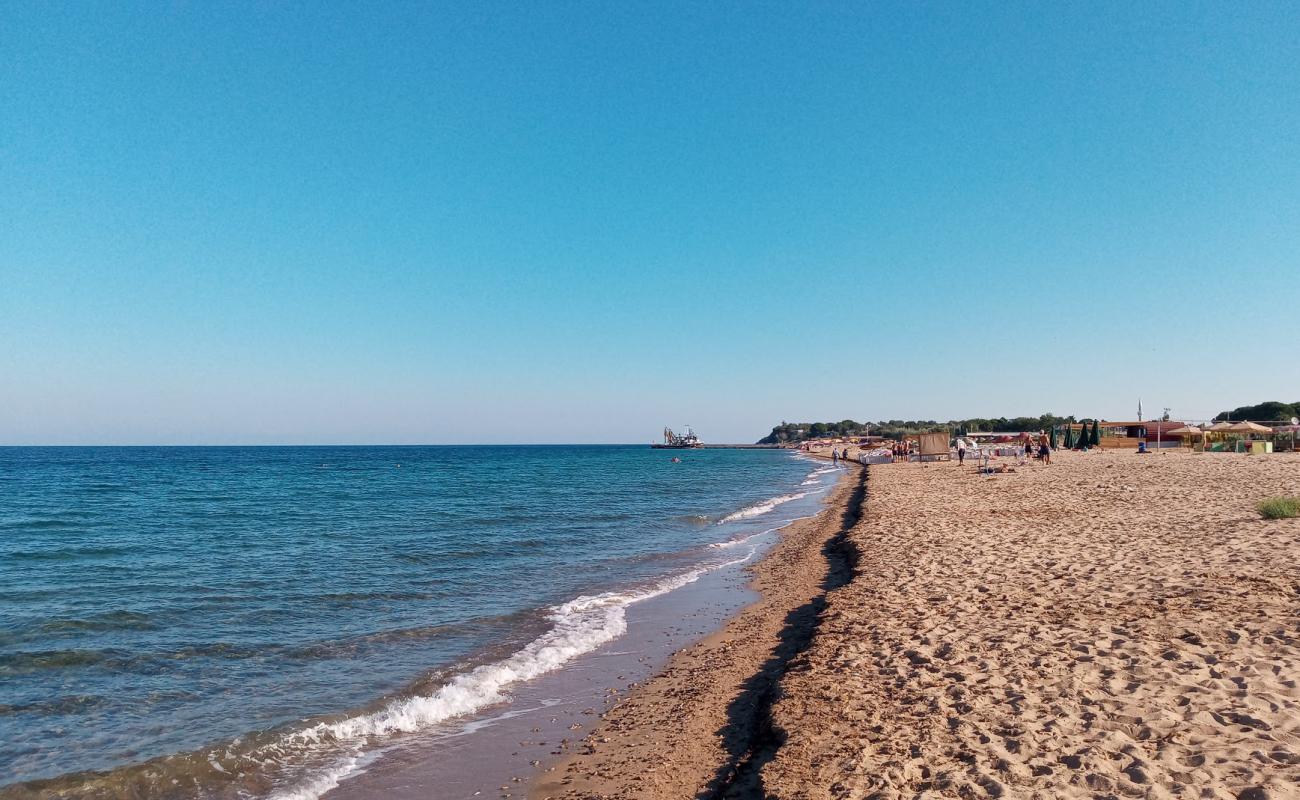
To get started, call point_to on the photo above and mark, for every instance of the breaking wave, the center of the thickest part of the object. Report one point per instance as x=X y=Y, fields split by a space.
x=761 y=508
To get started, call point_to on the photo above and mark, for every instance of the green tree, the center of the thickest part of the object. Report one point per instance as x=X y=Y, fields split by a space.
x=1267 y=411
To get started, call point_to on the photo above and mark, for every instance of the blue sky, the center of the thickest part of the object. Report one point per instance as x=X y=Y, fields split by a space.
x=565 y=222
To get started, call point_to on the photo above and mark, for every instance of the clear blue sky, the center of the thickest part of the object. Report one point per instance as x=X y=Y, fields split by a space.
x=556 y=222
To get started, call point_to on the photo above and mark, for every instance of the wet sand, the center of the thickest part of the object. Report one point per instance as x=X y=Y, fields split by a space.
x=699 y=724
x=1113 y=625
x=496 y=754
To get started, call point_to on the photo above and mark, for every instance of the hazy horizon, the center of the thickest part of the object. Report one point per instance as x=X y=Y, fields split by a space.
x=250 y=224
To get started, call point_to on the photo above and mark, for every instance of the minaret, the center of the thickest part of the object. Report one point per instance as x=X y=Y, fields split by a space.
x=1139 y=409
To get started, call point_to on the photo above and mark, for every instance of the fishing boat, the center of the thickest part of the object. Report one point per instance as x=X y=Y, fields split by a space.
x=676 y=441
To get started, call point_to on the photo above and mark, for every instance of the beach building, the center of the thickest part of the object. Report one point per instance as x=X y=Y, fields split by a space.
x=1128 y=435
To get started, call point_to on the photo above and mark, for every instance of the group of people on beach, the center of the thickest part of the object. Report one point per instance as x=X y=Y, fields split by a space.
x=1043 y=442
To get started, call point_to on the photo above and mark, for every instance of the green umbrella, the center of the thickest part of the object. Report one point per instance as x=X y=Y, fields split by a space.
x=1069 y=437
x=1051 y=441
x=1096 y=433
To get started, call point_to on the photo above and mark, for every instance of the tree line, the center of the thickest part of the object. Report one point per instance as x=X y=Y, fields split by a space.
x=1270 y=411
x=795 y=432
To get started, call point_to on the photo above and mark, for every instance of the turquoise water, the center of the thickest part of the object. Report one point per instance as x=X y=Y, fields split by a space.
x=246 y=622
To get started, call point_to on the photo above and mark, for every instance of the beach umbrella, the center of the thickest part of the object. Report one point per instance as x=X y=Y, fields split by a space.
x=1069 y=437
x=1051 y=440
x=1096 y=433
x=1187 y=430
x=1218 y=427
x=1247 y=427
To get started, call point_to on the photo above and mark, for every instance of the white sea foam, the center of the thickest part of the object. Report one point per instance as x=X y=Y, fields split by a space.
x=320 y=783
x=578 y=626
x=761 y=508
x=743 y=539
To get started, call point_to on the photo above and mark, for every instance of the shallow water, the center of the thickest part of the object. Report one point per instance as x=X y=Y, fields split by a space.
x=273 y=614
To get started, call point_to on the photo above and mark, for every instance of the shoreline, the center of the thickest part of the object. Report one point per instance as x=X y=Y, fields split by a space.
x=502 y=750
x=1110 y=625
x=702 y=720
x=642 y=614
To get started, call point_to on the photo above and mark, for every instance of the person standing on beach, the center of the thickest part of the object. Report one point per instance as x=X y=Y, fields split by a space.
x=835 y=457
x=961 y=452
x=1044 y=448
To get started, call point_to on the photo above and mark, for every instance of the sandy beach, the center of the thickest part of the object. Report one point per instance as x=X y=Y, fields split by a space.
x=700 y=726
x=1113 y=625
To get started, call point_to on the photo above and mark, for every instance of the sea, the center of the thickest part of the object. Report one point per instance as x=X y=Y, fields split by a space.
x=254 y=622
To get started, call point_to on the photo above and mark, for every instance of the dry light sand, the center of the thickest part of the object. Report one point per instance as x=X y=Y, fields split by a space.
x=1113 y=625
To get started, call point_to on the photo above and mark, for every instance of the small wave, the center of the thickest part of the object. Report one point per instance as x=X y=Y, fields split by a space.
x=759 y=509
x=324 y=781
x=71 y=704
x=105 y=487
x=578 y=626
x=735 y=542
x=26 y=662
x=69 y=554
x=354 y=597
x=110 y=621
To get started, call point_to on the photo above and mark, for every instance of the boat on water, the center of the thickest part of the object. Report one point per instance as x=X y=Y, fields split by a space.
x=676 y=441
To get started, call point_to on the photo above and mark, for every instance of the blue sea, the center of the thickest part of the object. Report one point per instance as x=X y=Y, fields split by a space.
x=225 y=622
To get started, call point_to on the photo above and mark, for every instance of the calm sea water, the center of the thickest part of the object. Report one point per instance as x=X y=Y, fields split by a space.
x=248 y=622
